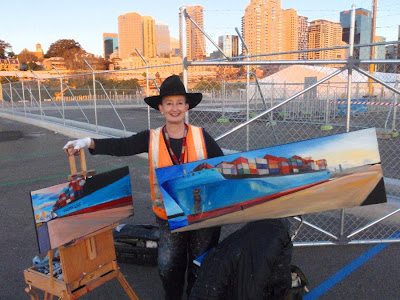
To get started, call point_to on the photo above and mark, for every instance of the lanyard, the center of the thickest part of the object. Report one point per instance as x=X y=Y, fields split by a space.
x=171 y=152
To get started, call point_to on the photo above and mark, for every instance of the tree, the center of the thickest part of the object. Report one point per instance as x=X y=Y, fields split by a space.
x=25 y=57
x=4 y=46
x=58 y=48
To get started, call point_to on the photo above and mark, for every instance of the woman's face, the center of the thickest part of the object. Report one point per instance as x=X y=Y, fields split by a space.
x=173 y=108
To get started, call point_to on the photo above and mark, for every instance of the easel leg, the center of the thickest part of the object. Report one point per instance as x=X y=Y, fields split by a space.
x=126 y=286
x=32 y=293
x=48 y=296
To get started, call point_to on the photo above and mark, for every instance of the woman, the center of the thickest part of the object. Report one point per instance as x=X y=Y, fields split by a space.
x=174 y=143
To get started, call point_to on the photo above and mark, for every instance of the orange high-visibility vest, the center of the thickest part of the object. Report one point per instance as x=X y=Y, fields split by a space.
x=159 y=157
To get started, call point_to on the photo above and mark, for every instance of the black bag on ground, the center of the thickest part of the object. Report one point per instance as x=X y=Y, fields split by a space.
x=299 y=284
x=136 y=244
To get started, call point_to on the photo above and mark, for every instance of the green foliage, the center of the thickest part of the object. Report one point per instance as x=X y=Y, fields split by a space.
x=25 y=57
x=33 y=66
x=4 y=46
x=58 y=48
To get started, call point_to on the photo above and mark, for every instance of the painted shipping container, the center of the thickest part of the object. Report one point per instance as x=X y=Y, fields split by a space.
x=262 y=166
x=263 y=171
x=261 y=161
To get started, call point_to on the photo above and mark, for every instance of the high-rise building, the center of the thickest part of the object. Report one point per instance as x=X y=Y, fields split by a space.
x=380 y=51
x=175 y=46
x=303 y=37
x=163 y=45
x=325 y=34
x=290 y=33
x=363 y=29
x=110 y=44
x=262 y=27
x=196 y=43
x=229 y=44
x=149 y=36
x=130 y=30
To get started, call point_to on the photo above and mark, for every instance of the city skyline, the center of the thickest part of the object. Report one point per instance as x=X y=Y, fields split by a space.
x=220 y=18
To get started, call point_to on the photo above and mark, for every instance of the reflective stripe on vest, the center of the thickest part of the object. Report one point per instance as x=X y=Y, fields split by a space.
x=159 y=157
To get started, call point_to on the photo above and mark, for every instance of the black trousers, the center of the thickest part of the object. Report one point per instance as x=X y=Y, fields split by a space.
x=176 y=252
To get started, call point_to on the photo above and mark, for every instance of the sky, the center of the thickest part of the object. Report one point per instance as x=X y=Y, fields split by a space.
x=24 y=23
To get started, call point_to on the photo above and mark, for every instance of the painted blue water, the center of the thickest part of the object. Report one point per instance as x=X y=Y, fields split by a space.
x=118 y=189
x=218 y=192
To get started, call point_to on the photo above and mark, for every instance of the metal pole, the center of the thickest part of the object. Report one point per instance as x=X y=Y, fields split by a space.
x=373 y=29
x=147 y=84
x=247 y=87
x=373 y=223
x=94 y=93
x=40 y=95
x=327 y=104
x=349 y=82
x=184 y=46
x=61 y=91
x=205 y=34
x=23 y=92
x=395 y=107
x=350 y=68
x=11 y=95
x=1 y=96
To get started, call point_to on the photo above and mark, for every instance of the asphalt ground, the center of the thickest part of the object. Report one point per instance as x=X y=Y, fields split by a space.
x=31 y=158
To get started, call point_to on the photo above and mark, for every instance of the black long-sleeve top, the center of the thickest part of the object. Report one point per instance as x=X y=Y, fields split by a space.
x=139 y=143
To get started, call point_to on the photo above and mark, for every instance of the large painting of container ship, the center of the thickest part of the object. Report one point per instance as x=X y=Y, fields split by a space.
x=72 y=210
x=256 y=184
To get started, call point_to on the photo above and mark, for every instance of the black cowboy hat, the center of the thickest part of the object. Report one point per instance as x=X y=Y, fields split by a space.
x=173 y=86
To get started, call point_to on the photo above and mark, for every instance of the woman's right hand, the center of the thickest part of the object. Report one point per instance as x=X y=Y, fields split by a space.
x=73 y=147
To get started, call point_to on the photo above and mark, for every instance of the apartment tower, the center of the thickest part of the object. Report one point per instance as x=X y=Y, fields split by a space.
x=163 y=45
x=196 y=43
x=324 y=34
x=303 y=37
x=130 y=32
x=290 y=32
x=149 y=36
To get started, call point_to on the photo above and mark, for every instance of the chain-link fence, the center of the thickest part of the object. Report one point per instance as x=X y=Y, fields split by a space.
x=292 y=103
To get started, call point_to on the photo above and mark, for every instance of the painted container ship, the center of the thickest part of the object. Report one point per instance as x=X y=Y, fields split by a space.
x=208 y=191
x=106 y=190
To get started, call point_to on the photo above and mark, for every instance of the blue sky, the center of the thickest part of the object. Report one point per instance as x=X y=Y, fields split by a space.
x=26 y=22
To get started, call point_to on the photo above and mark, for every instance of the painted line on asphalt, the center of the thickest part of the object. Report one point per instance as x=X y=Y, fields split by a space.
x=64 y=175
x=347 y=270
x=30 y=154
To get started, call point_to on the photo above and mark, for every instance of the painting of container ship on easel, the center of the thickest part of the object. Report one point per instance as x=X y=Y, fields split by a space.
x=69 y=211
x=333 y=172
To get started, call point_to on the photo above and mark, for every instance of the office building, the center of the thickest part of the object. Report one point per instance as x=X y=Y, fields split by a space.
x=110 y=44
x=229 y=45
x=130 y=31
x=196 y=43
x=149 y=36
x=325 y=34
x=363 y=27
x=163 y=45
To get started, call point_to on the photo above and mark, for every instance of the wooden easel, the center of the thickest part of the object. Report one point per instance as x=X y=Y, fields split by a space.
x=86 y=264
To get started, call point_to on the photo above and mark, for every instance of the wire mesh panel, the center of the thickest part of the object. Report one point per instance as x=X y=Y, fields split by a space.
x=229 y=99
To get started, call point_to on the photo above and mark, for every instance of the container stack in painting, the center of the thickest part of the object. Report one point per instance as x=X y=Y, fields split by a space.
x=267 y=165
x=227 y=168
